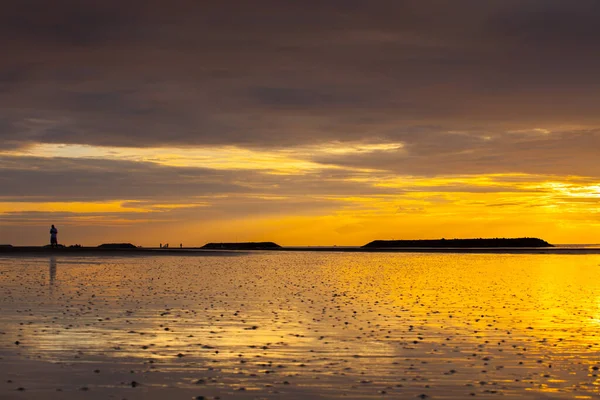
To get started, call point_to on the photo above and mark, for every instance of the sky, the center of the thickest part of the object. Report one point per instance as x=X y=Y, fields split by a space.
x=329 y=122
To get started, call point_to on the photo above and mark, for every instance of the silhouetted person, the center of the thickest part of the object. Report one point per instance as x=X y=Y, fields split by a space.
x=181 y=245
x=53 y=236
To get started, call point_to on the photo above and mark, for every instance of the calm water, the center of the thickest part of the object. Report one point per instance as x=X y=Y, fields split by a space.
x=301 y=325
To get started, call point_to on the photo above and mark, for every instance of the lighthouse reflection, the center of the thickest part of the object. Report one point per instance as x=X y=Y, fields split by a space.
x=52 y=265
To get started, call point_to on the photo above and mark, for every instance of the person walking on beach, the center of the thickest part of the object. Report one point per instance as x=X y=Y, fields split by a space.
x=53 y=236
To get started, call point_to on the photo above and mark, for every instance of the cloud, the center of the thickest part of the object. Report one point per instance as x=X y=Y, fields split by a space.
x=570 y=152
x=62 y=179
x=27 y=178
x=302 y=98
x=549 y=23
x=142 y=74
x=67 y=22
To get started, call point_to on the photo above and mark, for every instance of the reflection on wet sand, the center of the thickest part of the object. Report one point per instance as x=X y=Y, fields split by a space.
x=52 y=273
x=295 y=325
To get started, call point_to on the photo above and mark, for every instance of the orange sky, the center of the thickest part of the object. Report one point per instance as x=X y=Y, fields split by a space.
x=285 y=197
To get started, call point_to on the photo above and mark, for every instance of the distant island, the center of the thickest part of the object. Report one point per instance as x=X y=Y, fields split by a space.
x=458 y=243
x=242 y=246
x=117 y=246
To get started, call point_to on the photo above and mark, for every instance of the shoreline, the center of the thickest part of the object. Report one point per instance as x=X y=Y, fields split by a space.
x=75 y=251
x=197 y=251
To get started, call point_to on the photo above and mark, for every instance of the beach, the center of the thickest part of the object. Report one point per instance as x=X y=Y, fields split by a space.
x=298 y=325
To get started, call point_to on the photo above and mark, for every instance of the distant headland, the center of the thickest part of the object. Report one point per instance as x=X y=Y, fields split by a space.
x=458 y=243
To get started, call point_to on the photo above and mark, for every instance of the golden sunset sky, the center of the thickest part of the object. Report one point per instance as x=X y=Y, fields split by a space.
x=304 y=123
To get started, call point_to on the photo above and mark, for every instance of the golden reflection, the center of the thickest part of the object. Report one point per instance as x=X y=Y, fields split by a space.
x=52 y=272
x=518 y=323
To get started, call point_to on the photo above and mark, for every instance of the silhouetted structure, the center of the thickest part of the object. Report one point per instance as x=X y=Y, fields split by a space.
x=243 y=246
x=53 y=236
x=117 y=246
x=459 y=243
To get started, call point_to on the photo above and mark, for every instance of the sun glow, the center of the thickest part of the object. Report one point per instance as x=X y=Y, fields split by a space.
x=314 y=203
x=278 y=161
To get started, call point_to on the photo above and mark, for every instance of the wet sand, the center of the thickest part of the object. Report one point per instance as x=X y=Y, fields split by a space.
x=300 y=325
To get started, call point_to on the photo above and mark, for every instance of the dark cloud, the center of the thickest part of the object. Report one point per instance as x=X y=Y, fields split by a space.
x=549 y=23
x=63 y=179
x=280 y=74
x=302 y=98
x=437 y=154
x=65 y=22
